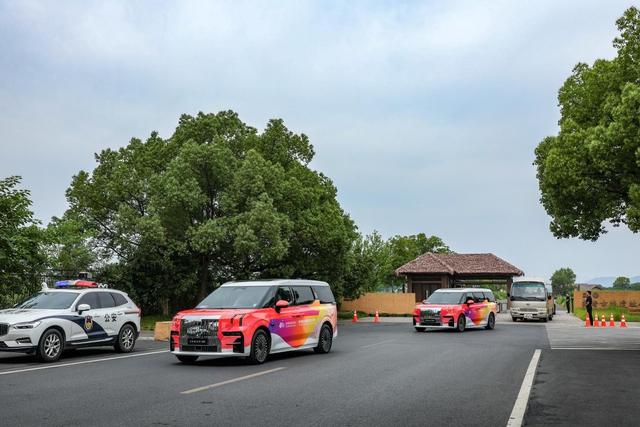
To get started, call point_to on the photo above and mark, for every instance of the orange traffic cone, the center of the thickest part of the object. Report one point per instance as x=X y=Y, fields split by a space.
x=623 y=323
x=355 y=317
x=595 y=321
x=376 y=319
x=587 y=321
x=603 y=324
x=612 y=323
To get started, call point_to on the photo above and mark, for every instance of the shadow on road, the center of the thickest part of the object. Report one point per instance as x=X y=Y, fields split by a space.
x=241 y=361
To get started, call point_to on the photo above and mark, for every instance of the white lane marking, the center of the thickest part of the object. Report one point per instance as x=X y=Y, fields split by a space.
x=377 y=343
x=519 y=408
x=63 y=365
x=233 y=380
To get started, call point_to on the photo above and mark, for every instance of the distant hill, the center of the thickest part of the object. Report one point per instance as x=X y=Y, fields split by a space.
x=608 y=281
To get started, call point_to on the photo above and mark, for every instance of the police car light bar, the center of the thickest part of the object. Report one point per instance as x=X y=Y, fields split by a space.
x=78 y=284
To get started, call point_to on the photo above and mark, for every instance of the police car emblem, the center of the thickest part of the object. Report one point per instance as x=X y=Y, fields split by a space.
x=88 y=323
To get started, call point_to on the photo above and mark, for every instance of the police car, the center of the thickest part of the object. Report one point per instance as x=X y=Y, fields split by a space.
x=76 y=313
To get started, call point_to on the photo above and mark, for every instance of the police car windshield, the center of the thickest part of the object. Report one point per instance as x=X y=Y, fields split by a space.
x=445 y=298
x=237 y=297
x=49 y=301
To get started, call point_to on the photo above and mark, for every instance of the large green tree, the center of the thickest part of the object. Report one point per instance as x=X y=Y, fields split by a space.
x=368 y=266
x=563 y=281
x=589 y=173
x=22 y=259
x=69 y=246
x=622 y=283
x=216 y=201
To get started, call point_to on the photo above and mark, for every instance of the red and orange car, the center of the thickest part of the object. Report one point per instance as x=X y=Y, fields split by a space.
x=457 y=308
x=255 y=319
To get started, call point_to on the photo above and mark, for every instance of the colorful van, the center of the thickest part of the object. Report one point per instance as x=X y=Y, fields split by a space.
x=256 y=318
x=456 y=308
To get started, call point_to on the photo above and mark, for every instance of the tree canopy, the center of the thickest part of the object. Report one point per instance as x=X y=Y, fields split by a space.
x=22 y=259
x=373 y=260
x=589 y=173
x=167 y=220
x=216 y=201
x=622 y=283
x=563 y=281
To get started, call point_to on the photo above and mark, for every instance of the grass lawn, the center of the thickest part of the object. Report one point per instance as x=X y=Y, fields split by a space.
x=148 y=323
x=617 y=312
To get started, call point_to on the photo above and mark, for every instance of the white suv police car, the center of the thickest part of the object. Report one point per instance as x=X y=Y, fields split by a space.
x=75 y=314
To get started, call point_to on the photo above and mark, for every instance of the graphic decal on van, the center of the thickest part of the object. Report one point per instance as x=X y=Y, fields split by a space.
x=296 y=329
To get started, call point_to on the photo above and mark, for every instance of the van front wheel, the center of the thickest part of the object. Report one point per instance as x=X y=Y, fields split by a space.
x=491 y=322
x=462 y=323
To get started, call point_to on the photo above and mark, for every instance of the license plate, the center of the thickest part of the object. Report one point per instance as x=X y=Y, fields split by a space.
x=528 y=316
x=197 y=341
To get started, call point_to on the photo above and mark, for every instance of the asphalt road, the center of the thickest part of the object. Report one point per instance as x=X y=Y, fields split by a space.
x=585 y=388
x=376 y=374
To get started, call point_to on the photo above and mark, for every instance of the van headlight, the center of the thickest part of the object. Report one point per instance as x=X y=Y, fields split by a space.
x=26 y=325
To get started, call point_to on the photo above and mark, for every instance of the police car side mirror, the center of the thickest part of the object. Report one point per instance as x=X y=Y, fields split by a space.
x=83 y=307
x=281 y=304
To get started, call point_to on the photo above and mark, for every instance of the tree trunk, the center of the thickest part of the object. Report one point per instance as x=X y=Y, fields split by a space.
x=203 y=290
x=164 y=303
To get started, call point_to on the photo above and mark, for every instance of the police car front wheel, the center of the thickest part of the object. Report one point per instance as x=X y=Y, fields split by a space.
x=126 y=339
x=50 y=346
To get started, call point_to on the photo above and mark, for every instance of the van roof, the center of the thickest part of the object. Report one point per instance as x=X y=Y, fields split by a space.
x=529 y=279
x=276 y=282
x=463 y=290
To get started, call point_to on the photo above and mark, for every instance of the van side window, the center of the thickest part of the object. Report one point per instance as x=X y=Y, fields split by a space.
x=489 y=296
x=284 y=293
x=303 y=295
x=324 y=294
x=478 y=297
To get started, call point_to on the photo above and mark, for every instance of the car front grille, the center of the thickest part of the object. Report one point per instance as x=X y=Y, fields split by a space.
x=199 y=335
x=429 y=314
x=528 y=310
x=4 y=329
x=431 y=317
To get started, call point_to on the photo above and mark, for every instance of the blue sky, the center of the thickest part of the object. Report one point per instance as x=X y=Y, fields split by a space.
x=425 y=114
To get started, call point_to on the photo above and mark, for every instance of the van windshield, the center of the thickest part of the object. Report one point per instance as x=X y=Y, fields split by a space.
x=237 y=297
x=445 y=298
x=528 y=291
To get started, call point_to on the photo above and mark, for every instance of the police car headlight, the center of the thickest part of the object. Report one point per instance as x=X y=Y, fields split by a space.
x=26 y=325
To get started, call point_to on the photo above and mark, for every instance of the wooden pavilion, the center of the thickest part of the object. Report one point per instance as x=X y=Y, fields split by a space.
x=432 y=271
